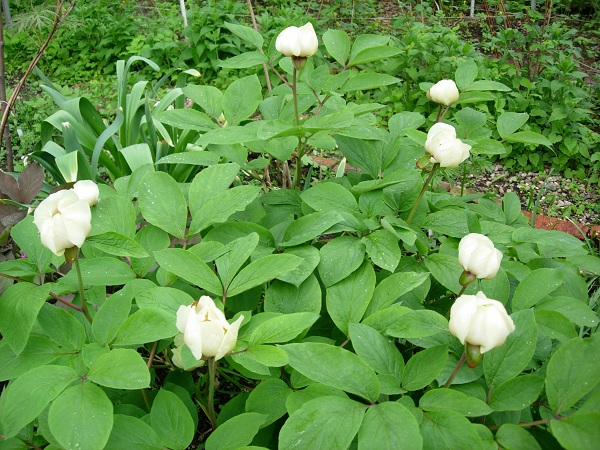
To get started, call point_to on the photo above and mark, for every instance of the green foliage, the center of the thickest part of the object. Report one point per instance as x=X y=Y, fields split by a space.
x=344 y=286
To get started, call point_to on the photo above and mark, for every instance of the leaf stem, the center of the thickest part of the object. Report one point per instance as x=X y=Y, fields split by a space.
x=425 y=185
x=212 y=365
x=81 y=291
x=461 y=361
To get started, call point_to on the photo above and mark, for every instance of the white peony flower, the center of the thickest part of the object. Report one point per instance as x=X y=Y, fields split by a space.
x=444 y=147
x=480 y=321
x=205 y=330
x=443 y=92
x=87 y=190
x=294 y=41
x=477 y=255
x=64 y=221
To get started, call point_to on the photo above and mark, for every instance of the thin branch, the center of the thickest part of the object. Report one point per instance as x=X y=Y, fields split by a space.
x=255 y=26
x=13 y=98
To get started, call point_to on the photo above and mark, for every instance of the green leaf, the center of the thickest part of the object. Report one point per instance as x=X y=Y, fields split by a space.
x=39 y=351
x=337 y=44
x=282 y=328
x=268 y=398
x=244 y=61
x=572 y=372
x=61 y=327
x=389 y=425
x=221 y=206
x=171 y=420
x=373 y=54
x=509 y=122
x=36 y=389
x=441 y=399
x=137 y=155
x=517 y=393
x=445 y=429
x=115 y=310
x=262 y=270
x=241 y=99
x=365 y=81
x=326 y=196
x=465 y=74
x=577 y=431
x=186 y=119
x=335 y=367
x=382 y=247
x=550 y=243
x=424 y=367
x=309 y=227
x=376 y=350
x=311 y=258
x=507 y=361
x=419 y=323
x=488 y=147
x=286 y=298
x=146 y=325
x=237 y=432
x=392 y=288
x=266 y=355
x=191 y=157
x=247 y=34
x=576 y=311
x=343 y=248
x=151 y=239
x=348 y=300
x=209 y=98
x=129 y=432
x=81 y=417
x=487 y=85
x=535 y=287
x=451 y=222
x=105 y=271
x=19 y=307
x=528 y=137
x=188 y=266
x=554 y=325
x=510 y=436
x=162 y=203
x=116 y=244
x=120 y=369
x=404 y=120
x=115 y=214
x=166 y=298
x=210 y=182
x=27 y=237
x=323 y=423
x=445 y=269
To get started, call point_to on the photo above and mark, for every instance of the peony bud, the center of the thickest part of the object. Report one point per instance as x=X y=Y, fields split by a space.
x=87 y=190
x=443 y=92
x=294 y=41
x=205 y=330
x=480 y=321
x=64 y=221
x=478 y=256
x=444 y=147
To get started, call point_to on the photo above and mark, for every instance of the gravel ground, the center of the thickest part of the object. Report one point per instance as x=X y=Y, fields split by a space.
x=556 y=196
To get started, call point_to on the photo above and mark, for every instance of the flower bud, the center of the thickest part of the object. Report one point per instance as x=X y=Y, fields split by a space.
x=205 y=330
x=444 y=147
x=480 y=321
x=443 y=92
x=474 y=355
x=477 y=255
x=294 y=41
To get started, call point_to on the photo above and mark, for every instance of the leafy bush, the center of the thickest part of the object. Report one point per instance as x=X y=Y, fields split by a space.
x=341 y=289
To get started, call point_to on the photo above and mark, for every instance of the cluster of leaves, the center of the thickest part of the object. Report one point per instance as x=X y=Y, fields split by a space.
x=345 y=337
x=540 y=60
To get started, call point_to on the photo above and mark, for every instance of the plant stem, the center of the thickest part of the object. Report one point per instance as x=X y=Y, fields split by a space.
x=416 y=205
x=81 y=292
x=461 y=361
x=212 y=365
x=297 y=117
